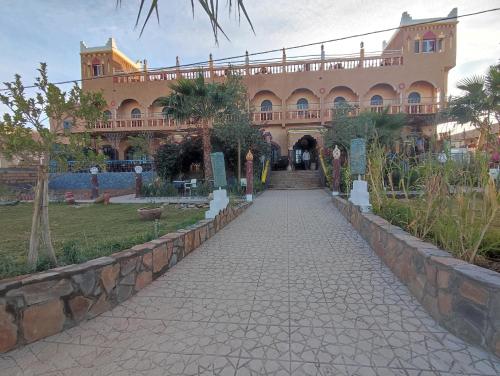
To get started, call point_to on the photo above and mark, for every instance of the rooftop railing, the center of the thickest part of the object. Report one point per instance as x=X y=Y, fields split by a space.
x=345 y=62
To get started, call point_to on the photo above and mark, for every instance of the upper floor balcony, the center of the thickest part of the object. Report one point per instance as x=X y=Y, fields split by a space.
x=326 y=112
x=312 y=113
x=280 y=66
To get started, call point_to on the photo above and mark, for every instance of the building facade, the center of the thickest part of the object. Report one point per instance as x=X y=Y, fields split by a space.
x=288 y=98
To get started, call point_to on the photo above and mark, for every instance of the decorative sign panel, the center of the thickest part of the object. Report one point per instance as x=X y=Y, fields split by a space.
x=219 y=169
x=358 y=156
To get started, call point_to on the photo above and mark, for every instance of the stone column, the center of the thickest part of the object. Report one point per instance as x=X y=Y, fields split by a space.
x=177 y=68
x=247 y=64
x=361 y=55
x=336 y=171
x=322 y=57
x=94 y=183
x=249 y=168
x=211 y=67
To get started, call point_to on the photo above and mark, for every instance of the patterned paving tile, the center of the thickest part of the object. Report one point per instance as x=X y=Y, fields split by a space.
x=305 y=296
x=266 y=342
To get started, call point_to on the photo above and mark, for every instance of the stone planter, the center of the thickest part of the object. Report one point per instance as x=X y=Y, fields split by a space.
x=149 y=214
x=107 y=197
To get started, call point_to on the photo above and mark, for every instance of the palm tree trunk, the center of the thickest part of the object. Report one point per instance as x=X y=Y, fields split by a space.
x=239 y=161
x=207 y=149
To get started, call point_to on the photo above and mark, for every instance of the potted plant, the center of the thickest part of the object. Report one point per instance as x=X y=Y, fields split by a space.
x=150 y=212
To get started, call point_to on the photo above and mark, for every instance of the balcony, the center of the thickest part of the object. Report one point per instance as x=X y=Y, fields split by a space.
x=152 y=122
x=313 y=114
x=344 y=62
x=275 y=116
x=317 y=113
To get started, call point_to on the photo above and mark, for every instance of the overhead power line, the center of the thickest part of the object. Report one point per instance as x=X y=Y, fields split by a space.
x=225 y=59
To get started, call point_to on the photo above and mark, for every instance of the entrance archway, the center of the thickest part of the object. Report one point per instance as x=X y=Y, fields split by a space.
x=305 y=143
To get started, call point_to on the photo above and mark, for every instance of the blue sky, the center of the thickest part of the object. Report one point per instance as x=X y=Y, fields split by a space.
x=32 y=31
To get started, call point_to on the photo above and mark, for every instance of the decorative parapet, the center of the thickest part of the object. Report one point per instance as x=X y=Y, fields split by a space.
x=40 y=305
x=462 y=297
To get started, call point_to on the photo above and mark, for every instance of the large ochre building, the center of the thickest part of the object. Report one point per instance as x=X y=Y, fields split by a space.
x=288 y=98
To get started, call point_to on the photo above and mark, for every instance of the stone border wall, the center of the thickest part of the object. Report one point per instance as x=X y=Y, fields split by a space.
x=40 y=305
x=462 y=297
x=18 y=176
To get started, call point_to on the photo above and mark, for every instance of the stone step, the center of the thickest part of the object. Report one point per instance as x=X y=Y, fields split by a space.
x=300 y=179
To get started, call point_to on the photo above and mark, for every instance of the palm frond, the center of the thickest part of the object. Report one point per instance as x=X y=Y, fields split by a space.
x=472 y=85
x=492 y=81
x=210 y=7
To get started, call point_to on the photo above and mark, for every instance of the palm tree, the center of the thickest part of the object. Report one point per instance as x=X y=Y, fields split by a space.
x=202 y=102
x=480 y=101
x=210 y=7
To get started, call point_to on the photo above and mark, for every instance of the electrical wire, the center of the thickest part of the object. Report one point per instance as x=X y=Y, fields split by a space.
x=201 y=63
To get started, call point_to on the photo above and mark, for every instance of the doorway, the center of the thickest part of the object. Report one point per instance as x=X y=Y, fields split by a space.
x=306 y=143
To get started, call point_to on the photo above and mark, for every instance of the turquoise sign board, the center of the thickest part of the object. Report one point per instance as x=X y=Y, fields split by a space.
x=219 y=169
x=358 y=156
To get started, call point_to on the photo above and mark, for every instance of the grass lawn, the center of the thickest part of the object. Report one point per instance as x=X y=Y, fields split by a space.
x=83 y=232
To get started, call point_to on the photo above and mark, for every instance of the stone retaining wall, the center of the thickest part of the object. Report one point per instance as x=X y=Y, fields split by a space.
x=86 y=194
x=462 y=297
x=39 y=305
x=18 y=176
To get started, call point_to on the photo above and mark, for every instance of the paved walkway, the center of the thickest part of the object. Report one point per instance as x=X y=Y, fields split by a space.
x=287 y=288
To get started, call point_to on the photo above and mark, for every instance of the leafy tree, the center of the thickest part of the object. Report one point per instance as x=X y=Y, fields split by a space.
x=479 y=103
x=140 y=145
x=203 y=103
x=173 y=159
x=24 y=133
x=236 y=134
x=191 y=152
x=369 y=125
x=210 y=7
x=168 y=161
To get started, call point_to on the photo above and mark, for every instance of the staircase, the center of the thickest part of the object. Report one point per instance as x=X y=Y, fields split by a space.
x=299 y=179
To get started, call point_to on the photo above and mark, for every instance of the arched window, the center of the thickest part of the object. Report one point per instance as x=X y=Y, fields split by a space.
x=339 y=102
x=266 y=105
x=302 y=104
x=136 y=113
x=107 y=115
x=414 y=98
x=166 y=112
x=266 y=108
x=67 y=124
x=376 y=100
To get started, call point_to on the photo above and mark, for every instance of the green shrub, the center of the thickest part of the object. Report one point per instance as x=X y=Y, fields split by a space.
x=345 y=179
